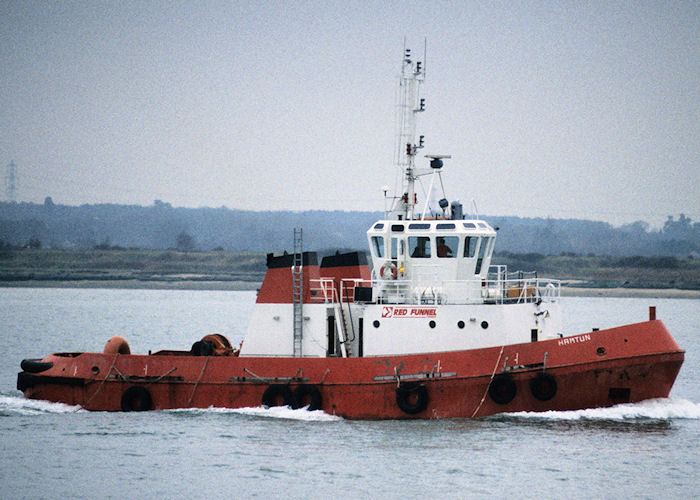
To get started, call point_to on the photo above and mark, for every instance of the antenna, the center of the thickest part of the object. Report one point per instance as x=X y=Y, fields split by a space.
x=11 y=182
x=408 y=105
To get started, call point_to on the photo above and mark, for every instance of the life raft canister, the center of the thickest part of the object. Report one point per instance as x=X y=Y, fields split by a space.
x=502 y=389
x=412 y=397
x=117 y=345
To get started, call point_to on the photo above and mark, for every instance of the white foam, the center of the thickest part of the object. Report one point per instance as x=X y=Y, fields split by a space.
x=22 y=406
x=656 y=409
x=281 y=412
x=287 y=413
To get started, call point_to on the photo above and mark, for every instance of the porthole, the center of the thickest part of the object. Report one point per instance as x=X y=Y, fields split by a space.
x=600 y=351
x=376 y=323
x=484 y=324
x=431 y=324
x=460 y=324
x=95 y=370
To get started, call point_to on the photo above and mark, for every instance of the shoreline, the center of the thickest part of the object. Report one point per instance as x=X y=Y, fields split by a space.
x=566 y=291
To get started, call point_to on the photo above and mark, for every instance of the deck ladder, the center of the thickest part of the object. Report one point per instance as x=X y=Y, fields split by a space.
x=341 y=328
x=298 y=290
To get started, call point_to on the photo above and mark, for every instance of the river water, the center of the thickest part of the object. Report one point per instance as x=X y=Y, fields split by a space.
x=645 y=450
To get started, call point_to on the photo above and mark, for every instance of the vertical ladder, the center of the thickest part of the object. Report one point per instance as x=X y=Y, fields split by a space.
x=341 y=330
x=298 y=290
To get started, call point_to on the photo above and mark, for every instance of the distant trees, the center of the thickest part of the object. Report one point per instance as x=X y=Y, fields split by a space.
x=162 y=226
x=184 y=242
x=34 y=243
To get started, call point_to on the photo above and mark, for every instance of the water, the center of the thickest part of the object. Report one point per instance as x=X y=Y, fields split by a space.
x=645 y=450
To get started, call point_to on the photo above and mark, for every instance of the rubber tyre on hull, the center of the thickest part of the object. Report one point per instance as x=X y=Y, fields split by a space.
x=35 y=365
x=276 y=394
x=502 y=389
x=543 y=386
x=412 y=397
x=306 y=394
x=137 y=398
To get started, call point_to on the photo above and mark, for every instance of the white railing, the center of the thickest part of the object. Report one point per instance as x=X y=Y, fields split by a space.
x=324 y=290
x=496 y=291
x=500 y=287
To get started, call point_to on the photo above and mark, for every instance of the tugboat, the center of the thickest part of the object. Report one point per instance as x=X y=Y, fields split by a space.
x=430 y=330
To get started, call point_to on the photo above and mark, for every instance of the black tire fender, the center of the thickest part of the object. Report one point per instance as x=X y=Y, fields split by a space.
x=35 y=365
x=306 y=394
x=412 y=397
x=137 y=398
x=276 y=394
x=543 y=386
x=502 y=389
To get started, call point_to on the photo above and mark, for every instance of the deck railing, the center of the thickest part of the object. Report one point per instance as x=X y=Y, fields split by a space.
x=500 y=287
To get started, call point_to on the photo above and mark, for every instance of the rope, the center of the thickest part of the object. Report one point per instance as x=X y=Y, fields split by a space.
x=493 y=374
x=101 y=383
x=158 y=379
x=197 y=383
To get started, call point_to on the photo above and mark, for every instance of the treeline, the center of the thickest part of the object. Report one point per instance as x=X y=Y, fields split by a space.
x=161 y=226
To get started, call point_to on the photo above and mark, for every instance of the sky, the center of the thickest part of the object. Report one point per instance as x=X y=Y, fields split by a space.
x=585 y=110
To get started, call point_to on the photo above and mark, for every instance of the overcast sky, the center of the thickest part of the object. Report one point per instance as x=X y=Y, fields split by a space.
x=562 y=109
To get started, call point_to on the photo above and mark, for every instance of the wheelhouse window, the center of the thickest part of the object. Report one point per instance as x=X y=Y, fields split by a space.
x=397 y=248
x=486 y=244
x=470 y=244
x=419 y=247
x=446 y=246
x=378 y=246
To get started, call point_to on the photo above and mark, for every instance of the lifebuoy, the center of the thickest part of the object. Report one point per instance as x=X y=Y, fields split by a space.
x=306 y=395
x=412 y=397
x=543 y=386
x=502 y=389
x=117 y=345
x=388 y=270
x=35 y=365
x=137 y=398
x=277 y=395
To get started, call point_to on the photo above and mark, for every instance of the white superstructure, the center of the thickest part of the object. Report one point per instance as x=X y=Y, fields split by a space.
x=432 y=286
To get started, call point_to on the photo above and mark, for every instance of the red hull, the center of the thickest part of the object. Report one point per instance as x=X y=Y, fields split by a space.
x=625 y=364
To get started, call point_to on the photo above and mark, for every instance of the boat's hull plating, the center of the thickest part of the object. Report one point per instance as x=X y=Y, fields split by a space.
x=596 y=369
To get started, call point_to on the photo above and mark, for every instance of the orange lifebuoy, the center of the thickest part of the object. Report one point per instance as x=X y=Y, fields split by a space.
x=117 y=345
x=389 y=270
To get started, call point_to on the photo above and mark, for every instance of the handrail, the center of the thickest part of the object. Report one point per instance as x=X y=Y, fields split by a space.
x=501 y=290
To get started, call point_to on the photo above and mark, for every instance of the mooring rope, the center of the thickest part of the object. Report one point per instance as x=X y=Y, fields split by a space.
x=493 y=374
x=197 y=383
x=114 y=362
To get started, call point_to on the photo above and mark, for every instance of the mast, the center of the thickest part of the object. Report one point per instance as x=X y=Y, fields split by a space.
x=409 y=104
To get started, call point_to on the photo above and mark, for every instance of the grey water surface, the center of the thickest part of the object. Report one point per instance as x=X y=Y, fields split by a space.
x=645 y=450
